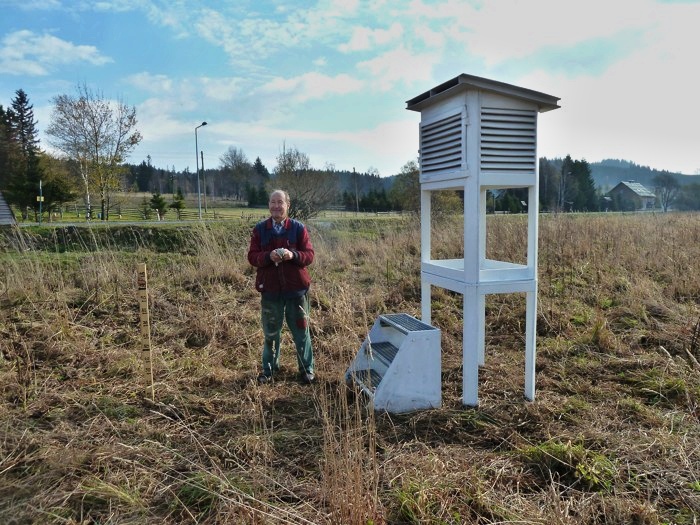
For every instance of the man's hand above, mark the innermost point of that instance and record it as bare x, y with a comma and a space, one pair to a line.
280, 255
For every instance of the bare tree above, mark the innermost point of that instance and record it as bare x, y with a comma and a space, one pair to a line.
310, 190
667, 189
98, 134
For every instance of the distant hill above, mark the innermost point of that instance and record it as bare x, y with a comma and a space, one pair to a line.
606, 174
609, 172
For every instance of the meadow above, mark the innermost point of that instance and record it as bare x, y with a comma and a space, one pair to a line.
87, 438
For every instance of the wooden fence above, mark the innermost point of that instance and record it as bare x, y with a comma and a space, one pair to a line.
134, 214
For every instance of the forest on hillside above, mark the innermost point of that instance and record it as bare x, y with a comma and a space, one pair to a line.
609, 172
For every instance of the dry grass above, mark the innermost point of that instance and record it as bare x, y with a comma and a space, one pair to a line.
610, 439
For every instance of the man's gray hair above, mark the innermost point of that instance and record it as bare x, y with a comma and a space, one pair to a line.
284, 193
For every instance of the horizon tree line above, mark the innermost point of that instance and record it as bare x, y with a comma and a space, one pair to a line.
95, 137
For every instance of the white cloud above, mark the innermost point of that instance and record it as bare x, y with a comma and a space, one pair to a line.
386, 36
221, 89
336, 8
35, 4
643, 107
359, 41
311, 86
27, 53
174, 15
119, 6
447, 10
399, 65
433, 39
386, 144
250, 37
157, 120
216, 89
150, 82
365, 38
510, 28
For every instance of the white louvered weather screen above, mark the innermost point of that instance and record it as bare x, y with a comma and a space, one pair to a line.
441, 145
508, 140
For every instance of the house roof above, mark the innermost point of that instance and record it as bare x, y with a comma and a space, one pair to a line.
464, 82
637, 188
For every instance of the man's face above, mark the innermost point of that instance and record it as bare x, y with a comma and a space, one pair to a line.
278, 207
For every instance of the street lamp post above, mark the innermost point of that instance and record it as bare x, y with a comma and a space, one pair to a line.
196, 157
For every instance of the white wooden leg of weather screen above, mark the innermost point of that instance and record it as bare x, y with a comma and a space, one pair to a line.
530, 337
474, 343
471, 347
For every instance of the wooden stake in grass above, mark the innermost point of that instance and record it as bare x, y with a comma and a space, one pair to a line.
142, 282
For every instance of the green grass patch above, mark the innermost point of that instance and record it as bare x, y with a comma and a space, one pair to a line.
199, 492
656, 385
572, 463
116, 410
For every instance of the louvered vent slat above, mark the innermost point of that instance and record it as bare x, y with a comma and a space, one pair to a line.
443, 158
446, 164
509, 118
437, 142
503, 130
441, 145
508, 140
496, 147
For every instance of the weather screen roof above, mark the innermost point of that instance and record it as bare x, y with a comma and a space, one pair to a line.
465, 82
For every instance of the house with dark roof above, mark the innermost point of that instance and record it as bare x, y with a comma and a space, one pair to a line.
632, 196
6, 215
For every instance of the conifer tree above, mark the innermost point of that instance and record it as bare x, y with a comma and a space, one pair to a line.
25, 169
9, 149
29, 172
178, 203
159, 205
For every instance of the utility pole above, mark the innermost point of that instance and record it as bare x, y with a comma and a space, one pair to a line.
41, 200
357, 198
204, 181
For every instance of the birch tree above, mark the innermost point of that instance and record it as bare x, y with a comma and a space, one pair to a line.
98, 134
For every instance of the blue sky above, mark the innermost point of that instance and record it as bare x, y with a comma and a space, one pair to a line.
331, 77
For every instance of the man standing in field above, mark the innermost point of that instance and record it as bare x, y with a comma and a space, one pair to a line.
280, 249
